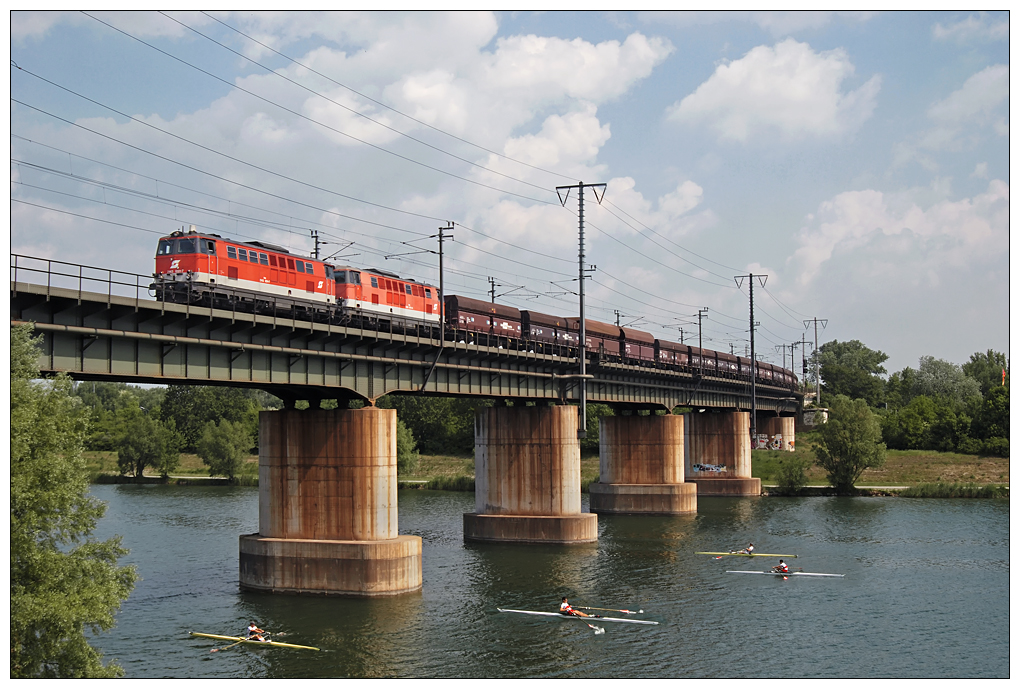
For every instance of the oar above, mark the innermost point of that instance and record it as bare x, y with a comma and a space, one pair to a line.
628, 612
214, 650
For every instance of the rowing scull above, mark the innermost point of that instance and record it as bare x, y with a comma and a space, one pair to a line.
784, 574
749, 554
241, 639
575, 617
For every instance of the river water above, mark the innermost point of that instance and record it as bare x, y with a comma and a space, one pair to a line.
926, 594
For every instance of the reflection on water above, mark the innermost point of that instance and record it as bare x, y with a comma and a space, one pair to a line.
909, 606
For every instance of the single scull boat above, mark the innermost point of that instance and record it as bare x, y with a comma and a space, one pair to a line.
749, 554
241, 639
575, 617
784, 574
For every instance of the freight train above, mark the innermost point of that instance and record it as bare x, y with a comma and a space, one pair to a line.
257, 277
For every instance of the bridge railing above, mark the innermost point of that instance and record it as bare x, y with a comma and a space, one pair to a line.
82, 278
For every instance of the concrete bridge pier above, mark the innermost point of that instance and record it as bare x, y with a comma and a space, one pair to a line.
328, 507
717, 453
528, 478
641, 467
780, 431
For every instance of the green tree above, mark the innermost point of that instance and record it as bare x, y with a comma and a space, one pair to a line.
987, 369
851, 369
62, 581
940, 378
192, 407
222, 447
850, 443
149, 442
407, 450
992, 418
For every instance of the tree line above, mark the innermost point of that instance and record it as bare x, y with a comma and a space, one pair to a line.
937, 406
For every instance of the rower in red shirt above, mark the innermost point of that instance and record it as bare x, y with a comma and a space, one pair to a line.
565, 609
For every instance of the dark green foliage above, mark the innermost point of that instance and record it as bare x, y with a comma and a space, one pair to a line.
149, 442
192, 407
954, 490
987, 369
851, 369
440, 425
62, 581
791, 475
850, 442
407, 451
458, 483
991, 419
222, 446
590, 443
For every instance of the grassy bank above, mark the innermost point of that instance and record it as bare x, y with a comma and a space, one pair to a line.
930, 474
102, 467
902, 467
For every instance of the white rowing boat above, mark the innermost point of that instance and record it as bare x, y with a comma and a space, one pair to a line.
784, 574
575, 617
743, 554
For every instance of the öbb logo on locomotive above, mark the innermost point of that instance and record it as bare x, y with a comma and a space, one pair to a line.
257, 277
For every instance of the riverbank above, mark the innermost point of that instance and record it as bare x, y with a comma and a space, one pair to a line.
903, 469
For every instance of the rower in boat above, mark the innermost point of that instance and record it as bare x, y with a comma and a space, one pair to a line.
781, 568
565, 609
254, 633
746, 551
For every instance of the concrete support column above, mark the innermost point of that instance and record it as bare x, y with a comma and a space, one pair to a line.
328, 507
641, 467
528, 478
717, 453
780, 431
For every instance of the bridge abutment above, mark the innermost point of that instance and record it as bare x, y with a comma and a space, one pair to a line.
717, 453
328, 507
641, 467
528, 478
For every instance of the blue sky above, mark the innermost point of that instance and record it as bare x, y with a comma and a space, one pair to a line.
860, 160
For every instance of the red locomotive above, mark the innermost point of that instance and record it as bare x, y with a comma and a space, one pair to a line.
201, 268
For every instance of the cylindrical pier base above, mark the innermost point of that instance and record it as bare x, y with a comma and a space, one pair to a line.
643, 498
641, 467
715, 487
328, 507
528, 478
531, 528
346, 568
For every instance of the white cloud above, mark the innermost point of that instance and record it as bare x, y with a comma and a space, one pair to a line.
961, 118
976, 100
25, 25
776, 23
788, 88
980, 171
974, 28
947, 234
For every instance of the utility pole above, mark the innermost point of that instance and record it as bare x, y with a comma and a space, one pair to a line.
492, 288
701, 354
564, 193
754, 362
803, 358
315, 236
818, 380
442, 301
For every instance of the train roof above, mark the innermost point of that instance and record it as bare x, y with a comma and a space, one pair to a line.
480, 306
674, 346
543, 319
594, 327
638, 336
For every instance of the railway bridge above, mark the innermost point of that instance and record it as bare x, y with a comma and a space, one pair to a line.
328, 502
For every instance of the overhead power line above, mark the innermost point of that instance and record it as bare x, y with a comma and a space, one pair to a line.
306, 117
